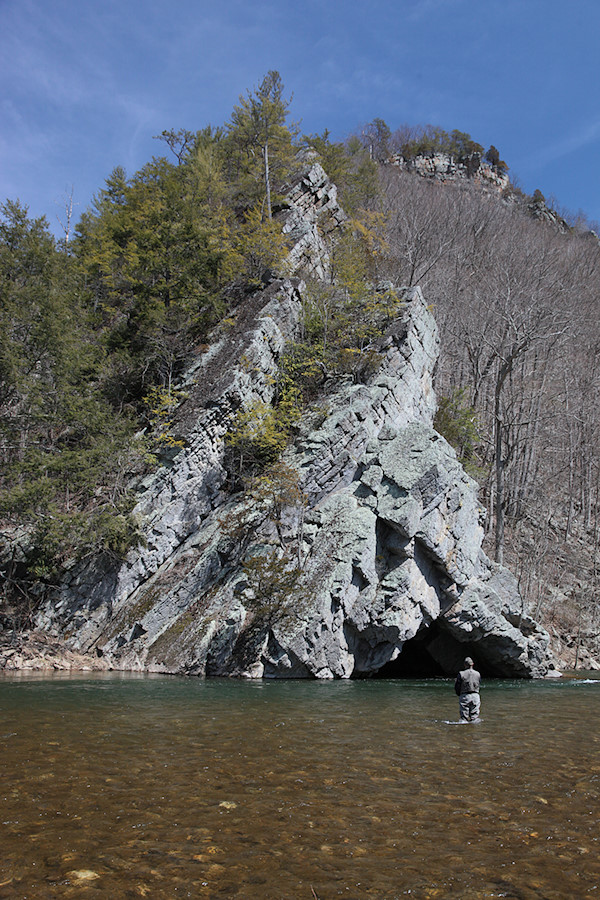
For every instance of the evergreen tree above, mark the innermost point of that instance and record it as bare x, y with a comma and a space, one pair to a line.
153, 265
63, 447
377, 136
334, 158
258, 125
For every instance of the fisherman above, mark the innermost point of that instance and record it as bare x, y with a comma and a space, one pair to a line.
467, 688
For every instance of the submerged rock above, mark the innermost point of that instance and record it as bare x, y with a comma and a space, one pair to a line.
375, 567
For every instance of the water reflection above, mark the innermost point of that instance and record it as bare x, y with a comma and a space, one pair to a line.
154, 787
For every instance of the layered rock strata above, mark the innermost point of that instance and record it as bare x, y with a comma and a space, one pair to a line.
310, 213
372, 564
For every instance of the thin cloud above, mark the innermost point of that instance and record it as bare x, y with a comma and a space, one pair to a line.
48, 61
582, 137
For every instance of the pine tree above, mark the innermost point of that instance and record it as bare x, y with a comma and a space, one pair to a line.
64, 449
258, 124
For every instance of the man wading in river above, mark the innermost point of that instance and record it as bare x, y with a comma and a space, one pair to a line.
467, 688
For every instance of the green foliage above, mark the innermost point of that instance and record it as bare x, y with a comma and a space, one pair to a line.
258, 436
152, 266
456, 420
350, 266
160, 404
428, 139
64, 535
538, 197
64, 450
350, 166
260, 245
362, 189
333, 156
206, 177
303, 366
92, 340
342, 322
376, 138
260, 144
493, 157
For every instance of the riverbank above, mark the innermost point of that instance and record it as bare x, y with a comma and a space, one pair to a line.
39, 652
571, 653
36, 651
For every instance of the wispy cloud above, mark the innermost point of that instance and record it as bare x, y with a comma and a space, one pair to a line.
51, 60
579, 138
87, 84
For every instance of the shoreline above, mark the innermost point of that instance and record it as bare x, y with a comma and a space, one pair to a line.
35, 651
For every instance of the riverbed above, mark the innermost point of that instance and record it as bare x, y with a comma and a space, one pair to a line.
125, 786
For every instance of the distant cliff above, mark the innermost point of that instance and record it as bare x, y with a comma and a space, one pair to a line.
444, 168
364, 558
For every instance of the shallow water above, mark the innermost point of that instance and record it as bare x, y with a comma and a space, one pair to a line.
119, 787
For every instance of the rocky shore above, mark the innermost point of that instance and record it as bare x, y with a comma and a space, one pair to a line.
35, 651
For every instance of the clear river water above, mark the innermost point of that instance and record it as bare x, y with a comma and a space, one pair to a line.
139, 786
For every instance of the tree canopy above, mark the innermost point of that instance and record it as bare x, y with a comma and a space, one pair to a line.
258, 133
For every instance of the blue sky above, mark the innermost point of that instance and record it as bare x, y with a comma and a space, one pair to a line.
86, 84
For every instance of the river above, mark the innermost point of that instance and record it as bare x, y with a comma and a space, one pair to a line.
146, 786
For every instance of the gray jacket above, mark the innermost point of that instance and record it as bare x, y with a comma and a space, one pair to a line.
467, 682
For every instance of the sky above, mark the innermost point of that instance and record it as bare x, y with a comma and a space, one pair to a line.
86, 85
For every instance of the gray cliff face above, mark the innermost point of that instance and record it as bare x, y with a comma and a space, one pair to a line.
378, 560
445, 168
311, 212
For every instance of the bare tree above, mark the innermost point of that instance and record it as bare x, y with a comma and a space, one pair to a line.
66, 219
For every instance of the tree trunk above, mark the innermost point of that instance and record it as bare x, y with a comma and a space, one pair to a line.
499, 484
267, 178
503, 372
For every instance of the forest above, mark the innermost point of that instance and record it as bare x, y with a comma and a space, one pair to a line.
97, 327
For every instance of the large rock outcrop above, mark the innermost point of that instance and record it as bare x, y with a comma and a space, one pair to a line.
444, 168
372, 564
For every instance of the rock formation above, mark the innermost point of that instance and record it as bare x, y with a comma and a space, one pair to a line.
445, 168
372, 565
538, 209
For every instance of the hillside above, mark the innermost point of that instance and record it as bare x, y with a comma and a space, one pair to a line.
515, 294
352, 547
119, 340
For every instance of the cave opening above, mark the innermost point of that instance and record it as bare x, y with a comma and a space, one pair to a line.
431, 653
413, 661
